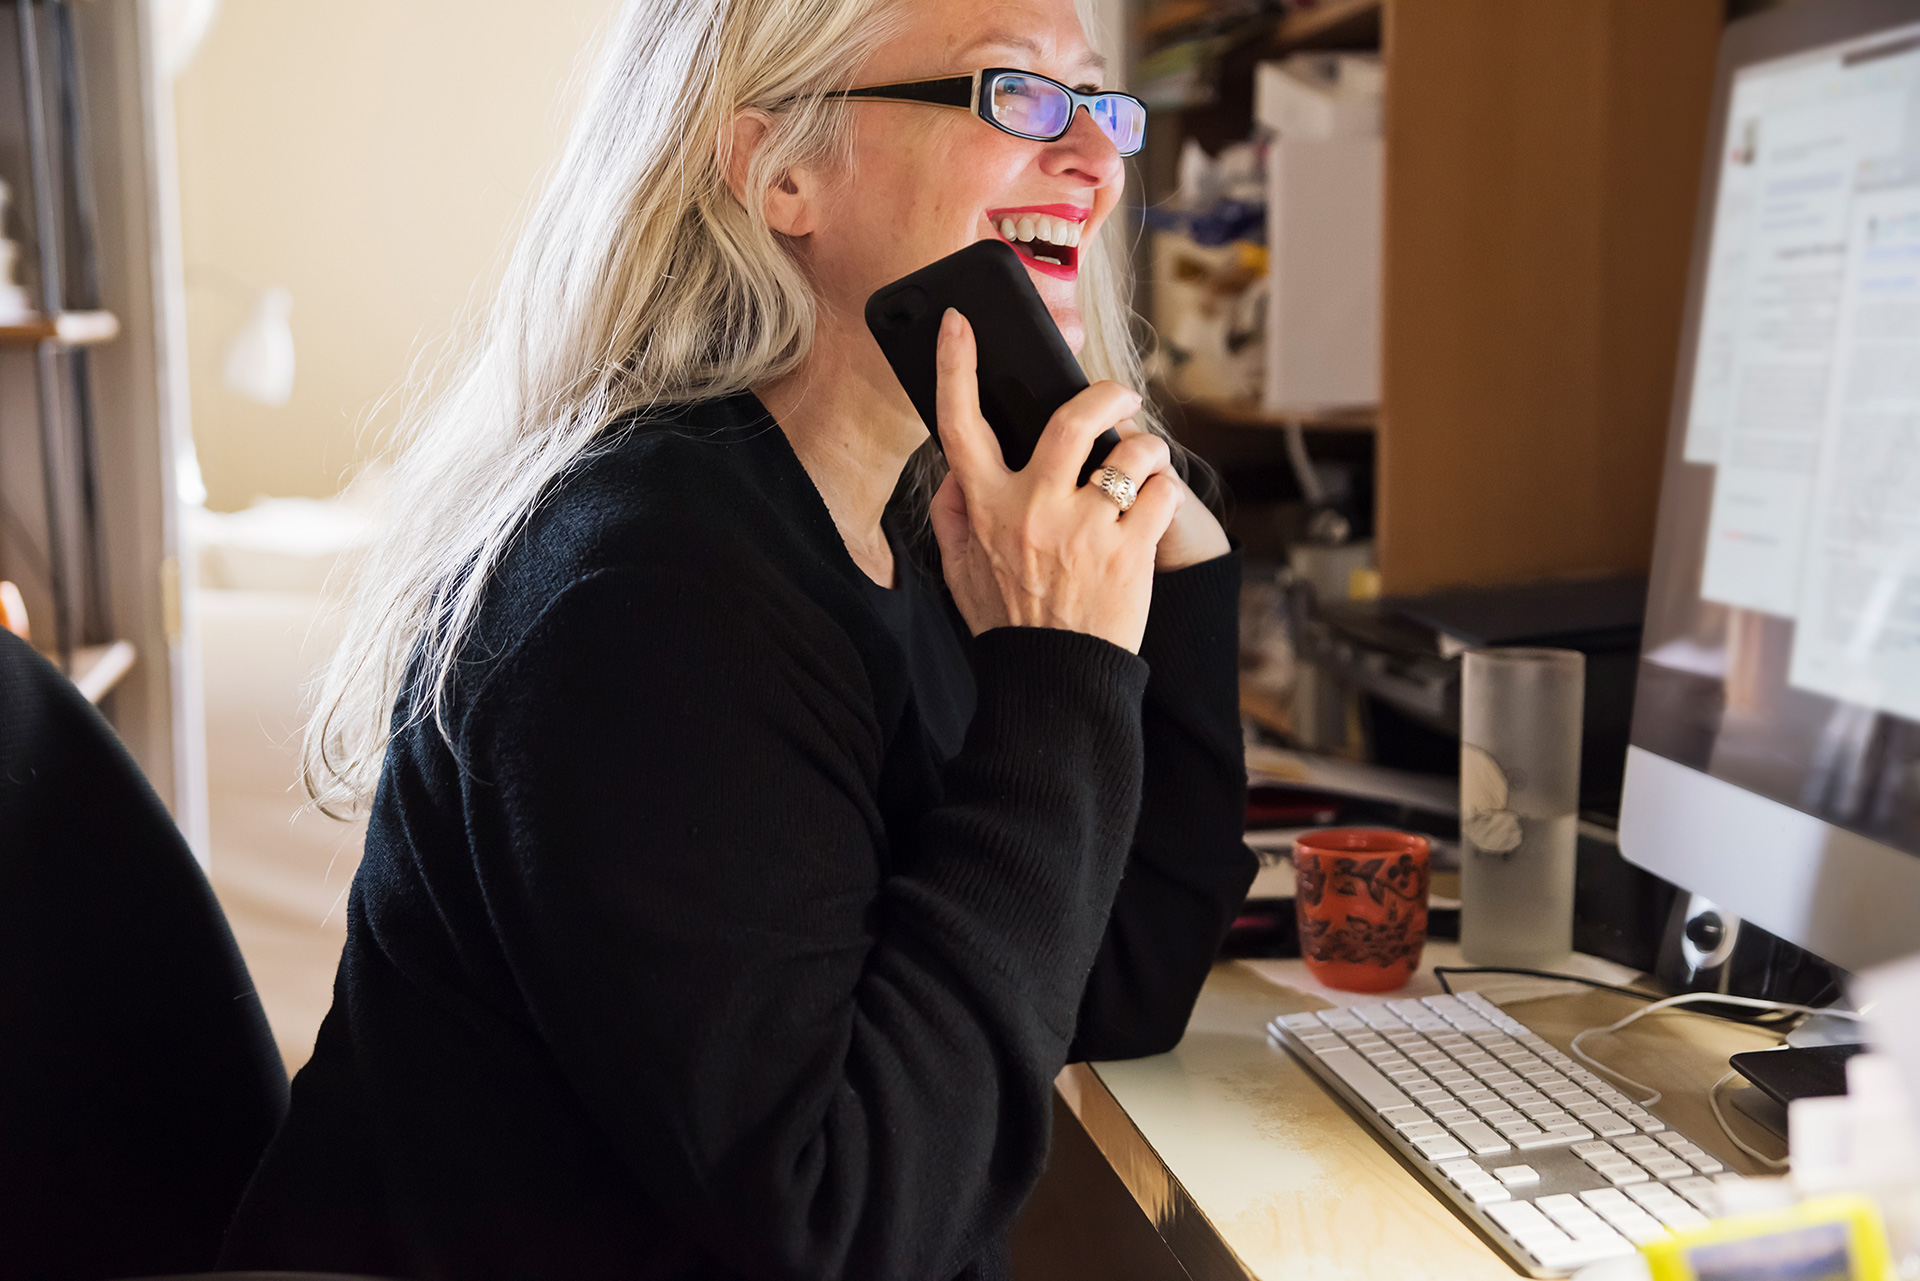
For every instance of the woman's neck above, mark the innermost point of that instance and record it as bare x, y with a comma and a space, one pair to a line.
853, 429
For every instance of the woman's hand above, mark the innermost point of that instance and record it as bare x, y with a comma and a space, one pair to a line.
1033, 548
1195, 534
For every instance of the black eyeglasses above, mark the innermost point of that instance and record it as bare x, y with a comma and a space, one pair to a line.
1023, 104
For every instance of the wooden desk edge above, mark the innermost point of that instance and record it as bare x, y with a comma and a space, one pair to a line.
1195, 1242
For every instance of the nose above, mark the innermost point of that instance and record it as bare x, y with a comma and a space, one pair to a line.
1086, 153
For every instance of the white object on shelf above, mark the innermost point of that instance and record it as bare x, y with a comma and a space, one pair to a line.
1324, 231
1317, 97
15, 305
98, 668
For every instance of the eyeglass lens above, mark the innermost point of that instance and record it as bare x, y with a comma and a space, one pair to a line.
1038, 108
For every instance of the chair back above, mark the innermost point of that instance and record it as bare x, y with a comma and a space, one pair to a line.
139, 1083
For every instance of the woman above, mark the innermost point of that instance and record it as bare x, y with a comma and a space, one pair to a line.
733, 892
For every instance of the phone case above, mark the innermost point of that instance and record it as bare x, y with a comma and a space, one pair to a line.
1026, 369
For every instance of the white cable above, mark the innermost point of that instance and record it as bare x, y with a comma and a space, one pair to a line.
1685, 998
1713, 1101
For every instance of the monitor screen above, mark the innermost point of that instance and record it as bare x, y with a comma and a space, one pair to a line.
1782, 650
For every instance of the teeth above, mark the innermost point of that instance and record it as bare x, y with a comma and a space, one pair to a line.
1041, 227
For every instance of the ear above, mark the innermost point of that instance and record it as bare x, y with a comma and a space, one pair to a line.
789, 202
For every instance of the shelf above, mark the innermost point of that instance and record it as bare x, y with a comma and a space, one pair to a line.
1333, 24
98, 668
1240, 414
69, 328
1233, 413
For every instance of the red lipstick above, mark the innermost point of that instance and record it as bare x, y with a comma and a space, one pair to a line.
1068, 265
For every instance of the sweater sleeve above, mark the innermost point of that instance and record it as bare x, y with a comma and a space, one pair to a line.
1189, 869
831, 1058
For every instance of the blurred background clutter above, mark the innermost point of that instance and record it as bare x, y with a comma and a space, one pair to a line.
234, 233
1412, 273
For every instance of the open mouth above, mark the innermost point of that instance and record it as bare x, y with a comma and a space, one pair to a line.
1047, 240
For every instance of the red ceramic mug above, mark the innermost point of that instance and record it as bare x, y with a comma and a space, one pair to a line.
1361, 899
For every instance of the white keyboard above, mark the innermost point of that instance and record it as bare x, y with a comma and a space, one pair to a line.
1547, 1158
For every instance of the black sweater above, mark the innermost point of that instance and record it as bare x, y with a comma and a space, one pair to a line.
694, 956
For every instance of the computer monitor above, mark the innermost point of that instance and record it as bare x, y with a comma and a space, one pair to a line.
1774, 764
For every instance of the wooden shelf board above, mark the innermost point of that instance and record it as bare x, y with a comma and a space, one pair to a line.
1332, 24
70, 328
1242, 414
98, 668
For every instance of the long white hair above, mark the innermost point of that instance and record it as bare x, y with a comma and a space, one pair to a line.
639, 280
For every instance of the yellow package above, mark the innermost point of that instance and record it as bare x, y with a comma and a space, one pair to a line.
1836, 1238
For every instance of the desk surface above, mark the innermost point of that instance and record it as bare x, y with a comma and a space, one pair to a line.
1250, 1168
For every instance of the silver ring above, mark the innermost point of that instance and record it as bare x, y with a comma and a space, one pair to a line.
1117, 485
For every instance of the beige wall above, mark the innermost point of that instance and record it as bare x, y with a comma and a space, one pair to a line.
373, 156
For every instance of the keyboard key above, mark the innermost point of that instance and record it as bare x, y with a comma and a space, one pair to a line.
1430, 1096
1472, 1097
1645, 1120
1486, 1194
1446, 1116
1560, 1207
1480, 1138
1376, 1016
1606, 1201
1705, 1164
1667, 1167
1554, 1138
1519, 1217
1639, 1227
1517, 1176
1578, 1254
1443, 1148
1675, 1140
1461, 1170
1607, 1125
1422, 1130
1322, 1041
1360, 1077
1681, 1218
1621, 1176
1637, 1144
1591, 1148
1518, 1128
1651, 1194
1495, 1116
1698, 1192
1397, 1117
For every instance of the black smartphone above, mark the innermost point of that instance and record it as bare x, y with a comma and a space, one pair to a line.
1027, 371
1811, 1071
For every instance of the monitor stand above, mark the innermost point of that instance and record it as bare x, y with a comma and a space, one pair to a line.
1708, 949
